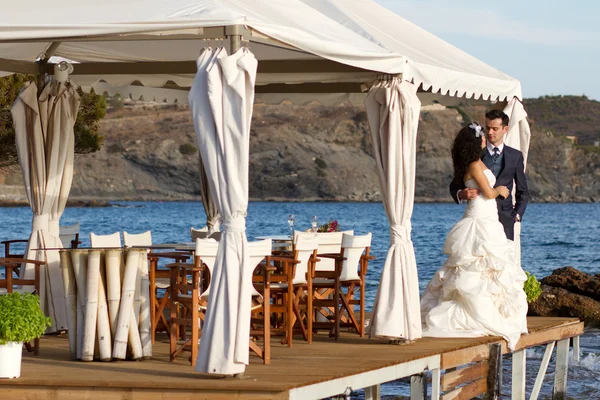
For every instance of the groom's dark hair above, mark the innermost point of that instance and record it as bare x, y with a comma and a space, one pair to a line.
493, 114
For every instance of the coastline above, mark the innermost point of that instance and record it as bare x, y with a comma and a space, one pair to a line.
108, 201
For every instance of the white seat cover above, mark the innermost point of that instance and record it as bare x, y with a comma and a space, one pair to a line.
207, 249
112, 240
258, 251
201, 233
353, 248
67, 234
329, 243
137, 239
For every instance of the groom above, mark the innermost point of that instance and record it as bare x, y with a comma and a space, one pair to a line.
507, 165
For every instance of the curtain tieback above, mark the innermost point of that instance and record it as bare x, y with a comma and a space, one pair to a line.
399, 234
40, 222
234, 224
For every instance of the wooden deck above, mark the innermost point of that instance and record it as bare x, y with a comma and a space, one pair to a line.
304, 371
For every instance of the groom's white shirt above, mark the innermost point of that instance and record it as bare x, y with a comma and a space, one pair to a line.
490, 148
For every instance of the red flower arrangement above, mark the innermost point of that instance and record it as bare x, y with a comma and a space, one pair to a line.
331, 226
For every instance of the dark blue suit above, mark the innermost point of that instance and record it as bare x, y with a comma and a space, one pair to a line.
513, 169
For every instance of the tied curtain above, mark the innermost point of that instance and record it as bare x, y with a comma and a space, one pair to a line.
45, 147
221, 100
393, 108
518, 137
210, 208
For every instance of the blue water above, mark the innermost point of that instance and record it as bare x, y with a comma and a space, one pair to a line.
553, 236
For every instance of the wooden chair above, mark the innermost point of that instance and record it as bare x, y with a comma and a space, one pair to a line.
189, 297
7, 251
159, 278
348, 278
69, 236
289, 286
11, 283
329, 243
190, 288
259, 253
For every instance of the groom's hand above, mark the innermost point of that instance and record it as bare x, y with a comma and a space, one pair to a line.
468, 194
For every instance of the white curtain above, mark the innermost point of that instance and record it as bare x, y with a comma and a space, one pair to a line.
393, 113
45, 145
518, 137
221, 100
212, 214
59, 105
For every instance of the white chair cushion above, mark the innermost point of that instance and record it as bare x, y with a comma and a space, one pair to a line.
112, 240
137, 239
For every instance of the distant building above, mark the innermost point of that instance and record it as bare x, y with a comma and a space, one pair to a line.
573, 139
597, 143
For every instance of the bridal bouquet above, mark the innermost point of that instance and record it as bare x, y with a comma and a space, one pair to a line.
331, 226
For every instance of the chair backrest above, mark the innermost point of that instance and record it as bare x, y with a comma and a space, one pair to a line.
259, 250
68, 233
137, 239
353, 248
215, 235
206, 250
329, 243
303, 249
201, 233
112, 240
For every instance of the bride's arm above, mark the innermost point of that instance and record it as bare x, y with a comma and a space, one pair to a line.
476, 171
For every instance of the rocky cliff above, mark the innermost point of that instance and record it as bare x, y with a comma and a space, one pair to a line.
568, 292
301, 153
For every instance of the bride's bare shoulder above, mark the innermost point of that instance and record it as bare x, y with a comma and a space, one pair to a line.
474, 169
476, 166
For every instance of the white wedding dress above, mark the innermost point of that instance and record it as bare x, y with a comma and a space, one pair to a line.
479, 289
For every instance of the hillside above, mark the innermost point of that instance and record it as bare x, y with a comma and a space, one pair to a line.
566, 115
304, 153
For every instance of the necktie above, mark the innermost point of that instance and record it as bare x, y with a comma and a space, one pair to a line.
496, 153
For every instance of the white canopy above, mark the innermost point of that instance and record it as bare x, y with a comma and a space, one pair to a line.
304, 48
345, 43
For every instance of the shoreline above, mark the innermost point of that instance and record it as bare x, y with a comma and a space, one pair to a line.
108, 202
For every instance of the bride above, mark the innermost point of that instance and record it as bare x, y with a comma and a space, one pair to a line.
479, 289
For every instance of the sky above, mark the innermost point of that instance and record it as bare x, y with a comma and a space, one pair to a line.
552, 47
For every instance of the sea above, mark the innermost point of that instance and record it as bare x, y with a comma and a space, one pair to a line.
553, 236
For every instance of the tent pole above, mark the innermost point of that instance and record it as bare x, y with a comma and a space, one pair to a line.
234, 33
41, 76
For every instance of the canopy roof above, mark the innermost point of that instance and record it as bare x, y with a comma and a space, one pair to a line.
313, 46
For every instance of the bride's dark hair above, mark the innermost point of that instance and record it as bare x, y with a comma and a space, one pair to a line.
465, 150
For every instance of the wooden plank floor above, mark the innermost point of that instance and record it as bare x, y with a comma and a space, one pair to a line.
53, 375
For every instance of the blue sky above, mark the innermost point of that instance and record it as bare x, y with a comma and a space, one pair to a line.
552, 47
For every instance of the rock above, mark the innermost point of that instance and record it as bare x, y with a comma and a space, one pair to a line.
558, 302
88, 203
574, 281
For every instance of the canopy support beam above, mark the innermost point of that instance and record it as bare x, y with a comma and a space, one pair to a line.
207, 33
20, 67
346, 87
189, 67
51, 50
